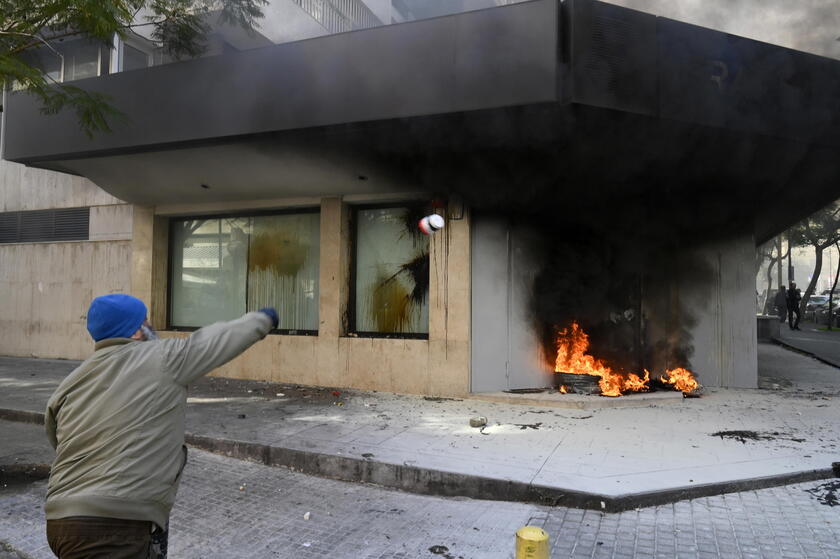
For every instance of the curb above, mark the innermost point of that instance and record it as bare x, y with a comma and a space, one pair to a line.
448, 484
426, 481
786, 345
22, 416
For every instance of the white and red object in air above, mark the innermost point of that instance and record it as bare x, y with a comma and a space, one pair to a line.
431, 224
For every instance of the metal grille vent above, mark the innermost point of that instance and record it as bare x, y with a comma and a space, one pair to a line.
609, 54
337, 16
614, 57
42, 226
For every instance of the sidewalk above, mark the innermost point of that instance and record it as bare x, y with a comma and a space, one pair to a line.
822, 344
611, 459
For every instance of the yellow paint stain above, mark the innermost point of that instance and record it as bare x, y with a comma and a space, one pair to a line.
278, 252
390, 307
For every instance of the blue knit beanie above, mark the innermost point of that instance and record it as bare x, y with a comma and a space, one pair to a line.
115, 316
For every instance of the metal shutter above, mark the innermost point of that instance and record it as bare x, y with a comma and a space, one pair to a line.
72, 224
36, 226
9, 227
43, 226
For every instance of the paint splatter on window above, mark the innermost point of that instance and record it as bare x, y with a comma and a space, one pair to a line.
392, 272
223, 267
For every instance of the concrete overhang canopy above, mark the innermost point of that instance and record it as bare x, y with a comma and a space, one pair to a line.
541, 98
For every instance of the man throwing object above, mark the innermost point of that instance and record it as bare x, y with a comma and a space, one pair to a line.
117, 425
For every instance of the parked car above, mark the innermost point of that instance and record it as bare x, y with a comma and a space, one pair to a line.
822, 314
815, 303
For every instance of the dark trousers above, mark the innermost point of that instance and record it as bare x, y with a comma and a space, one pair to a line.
791, 313
90, 537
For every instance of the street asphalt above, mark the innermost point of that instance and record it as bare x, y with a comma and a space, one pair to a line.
228, 508
815, 340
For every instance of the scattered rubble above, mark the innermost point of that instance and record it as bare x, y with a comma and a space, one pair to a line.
523, 426
441, 550
826, 493
478, 421
743, 436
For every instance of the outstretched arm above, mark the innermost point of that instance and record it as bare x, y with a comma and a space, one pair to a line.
188, 359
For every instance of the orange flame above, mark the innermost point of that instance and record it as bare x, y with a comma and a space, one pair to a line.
572, 345
681, 379
563, 389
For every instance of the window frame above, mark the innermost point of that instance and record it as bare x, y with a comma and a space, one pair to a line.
354, 246
170, 327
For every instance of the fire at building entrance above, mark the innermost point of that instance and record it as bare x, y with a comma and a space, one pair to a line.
574, 360
581, 313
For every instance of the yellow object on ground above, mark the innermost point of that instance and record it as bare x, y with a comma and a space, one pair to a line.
531, 543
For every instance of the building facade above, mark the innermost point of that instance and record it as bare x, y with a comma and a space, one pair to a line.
592, 164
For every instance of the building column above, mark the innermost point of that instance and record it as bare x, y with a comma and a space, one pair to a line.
703, 304
149, 257
334, 261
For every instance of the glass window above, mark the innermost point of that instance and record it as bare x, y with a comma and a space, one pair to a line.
391, 272
133, 58
81, 60
223, 267
45, 59
283, 261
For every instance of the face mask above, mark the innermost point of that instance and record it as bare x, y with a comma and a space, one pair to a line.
148, 333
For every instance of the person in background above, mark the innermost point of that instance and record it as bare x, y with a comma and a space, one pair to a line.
794, 296
117, 425
780, 302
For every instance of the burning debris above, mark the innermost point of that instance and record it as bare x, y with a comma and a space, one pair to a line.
681, 379
576, 368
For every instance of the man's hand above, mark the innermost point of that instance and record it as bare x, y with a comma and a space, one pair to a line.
272, 314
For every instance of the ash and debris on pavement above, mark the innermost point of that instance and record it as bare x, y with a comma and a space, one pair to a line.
443, 551
523, 426
743, 436
239, 388
826, 493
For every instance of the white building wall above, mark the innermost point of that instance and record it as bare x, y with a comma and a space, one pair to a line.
45, 288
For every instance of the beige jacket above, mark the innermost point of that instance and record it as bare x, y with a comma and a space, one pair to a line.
117, 421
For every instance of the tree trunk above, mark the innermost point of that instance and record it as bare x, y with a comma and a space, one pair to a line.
779, 262
769, 296
833, 287
812, 285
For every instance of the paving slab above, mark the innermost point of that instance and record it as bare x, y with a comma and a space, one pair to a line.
611, 458
240, 510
